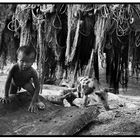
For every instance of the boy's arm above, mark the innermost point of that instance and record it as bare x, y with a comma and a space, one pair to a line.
37, 86
8, 82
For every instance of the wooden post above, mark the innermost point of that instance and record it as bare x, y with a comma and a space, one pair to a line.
41, 63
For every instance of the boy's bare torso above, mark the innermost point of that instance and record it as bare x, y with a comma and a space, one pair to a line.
21, 77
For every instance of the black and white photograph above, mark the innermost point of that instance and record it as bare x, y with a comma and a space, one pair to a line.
69, 69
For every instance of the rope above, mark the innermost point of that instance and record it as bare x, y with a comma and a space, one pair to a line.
45, 8
56, 16
64, 11
17, 22
13, 25
137, 42
40, 17
106, 12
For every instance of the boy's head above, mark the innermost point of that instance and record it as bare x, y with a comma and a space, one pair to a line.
26, 56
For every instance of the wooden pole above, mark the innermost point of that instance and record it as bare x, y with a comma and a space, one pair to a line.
41, 62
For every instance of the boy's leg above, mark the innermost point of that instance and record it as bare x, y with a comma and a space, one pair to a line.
29, 87
13, 89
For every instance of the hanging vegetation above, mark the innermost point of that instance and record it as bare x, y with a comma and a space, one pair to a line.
8, 40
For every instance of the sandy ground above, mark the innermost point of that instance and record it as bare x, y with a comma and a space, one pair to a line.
123, 118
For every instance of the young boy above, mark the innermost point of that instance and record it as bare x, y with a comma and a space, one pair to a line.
22, 75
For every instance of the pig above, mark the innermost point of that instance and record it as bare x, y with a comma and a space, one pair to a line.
86, 94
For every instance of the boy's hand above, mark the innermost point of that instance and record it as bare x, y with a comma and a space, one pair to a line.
33, 108
5, 100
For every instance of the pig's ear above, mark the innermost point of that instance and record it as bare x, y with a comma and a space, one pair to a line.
106, 90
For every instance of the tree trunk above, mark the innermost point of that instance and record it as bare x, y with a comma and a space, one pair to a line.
54, 120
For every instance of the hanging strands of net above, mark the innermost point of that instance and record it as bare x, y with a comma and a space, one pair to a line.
102, 25
23, 14
41, 24
122, 15
75, 41
88, 71
74, 13
99, 30
20, 18
69, 14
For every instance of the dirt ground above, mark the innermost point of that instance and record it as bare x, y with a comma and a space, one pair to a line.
123, 118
